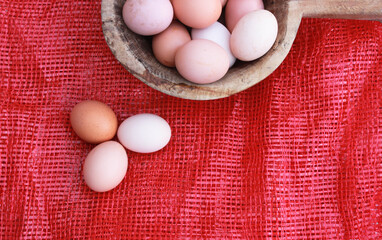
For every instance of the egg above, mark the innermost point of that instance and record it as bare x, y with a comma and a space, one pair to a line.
197, 13
217, 33
254, 35
105, 166
147, 17
144, 133
93, 121
166, 43
236, 9
202, 61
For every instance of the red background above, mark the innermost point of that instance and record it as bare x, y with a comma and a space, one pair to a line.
298, 156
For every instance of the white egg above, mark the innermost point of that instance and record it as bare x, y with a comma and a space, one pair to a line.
144, 133
217, 33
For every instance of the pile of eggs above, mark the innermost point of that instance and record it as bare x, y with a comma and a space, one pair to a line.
106, 164
203, 38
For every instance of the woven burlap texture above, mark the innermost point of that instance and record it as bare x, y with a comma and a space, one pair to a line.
298, 156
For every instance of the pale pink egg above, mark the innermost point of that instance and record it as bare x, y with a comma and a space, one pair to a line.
105, 166
236, 9
147, 17
202, 61
254, 35
217, 33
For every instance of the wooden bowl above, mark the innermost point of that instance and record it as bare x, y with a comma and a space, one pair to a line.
135, 54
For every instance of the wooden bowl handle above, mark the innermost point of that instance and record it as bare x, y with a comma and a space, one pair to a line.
342, 9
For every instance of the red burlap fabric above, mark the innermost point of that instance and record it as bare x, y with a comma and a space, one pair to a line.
298, 156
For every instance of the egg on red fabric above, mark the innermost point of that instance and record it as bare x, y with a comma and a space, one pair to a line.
105, 166
93, 121
144, 133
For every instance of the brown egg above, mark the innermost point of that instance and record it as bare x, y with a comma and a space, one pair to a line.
166, 43
93, 121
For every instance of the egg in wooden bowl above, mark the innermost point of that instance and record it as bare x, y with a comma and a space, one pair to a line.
135, 53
